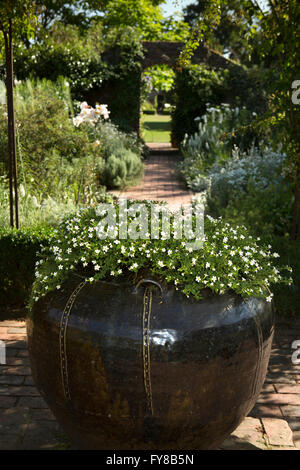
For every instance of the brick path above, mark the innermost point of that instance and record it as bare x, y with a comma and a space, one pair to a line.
274, 423
26, 423
160, 181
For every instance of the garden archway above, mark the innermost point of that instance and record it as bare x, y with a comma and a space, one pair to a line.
125, 104
167, 53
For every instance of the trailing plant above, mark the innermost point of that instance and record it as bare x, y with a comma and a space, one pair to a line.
229, 260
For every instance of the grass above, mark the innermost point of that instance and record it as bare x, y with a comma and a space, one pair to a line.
156, 127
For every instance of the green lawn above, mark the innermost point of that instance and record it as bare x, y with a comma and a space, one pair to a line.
156, 127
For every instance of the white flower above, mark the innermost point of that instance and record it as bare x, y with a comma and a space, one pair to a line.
77, 120
97, 267
207, 265
160, 264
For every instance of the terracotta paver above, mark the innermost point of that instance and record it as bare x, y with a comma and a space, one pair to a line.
273, 423
27, 423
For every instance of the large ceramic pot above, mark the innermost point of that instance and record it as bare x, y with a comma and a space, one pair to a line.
145, 367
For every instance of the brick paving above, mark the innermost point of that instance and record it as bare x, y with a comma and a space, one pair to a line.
26, 423
160, 180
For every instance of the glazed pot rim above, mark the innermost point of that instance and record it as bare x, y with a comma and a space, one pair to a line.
125, 281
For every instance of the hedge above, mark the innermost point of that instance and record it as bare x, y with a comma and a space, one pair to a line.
196, 86
18, 254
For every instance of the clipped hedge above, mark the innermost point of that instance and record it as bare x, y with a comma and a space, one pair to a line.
18, 250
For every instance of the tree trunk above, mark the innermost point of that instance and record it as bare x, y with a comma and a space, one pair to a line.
296, 210
10, 160
13, 172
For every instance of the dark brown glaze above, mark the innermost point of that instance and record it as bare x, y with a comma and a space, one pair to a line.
171, 375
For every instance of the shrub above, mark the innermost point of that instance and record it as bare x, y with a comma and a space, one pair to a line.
121, 151
60, 160
34, 209
229, 260
287, 298
18, 250
198, 86
250, 189
122, 168
51, 151
98, 67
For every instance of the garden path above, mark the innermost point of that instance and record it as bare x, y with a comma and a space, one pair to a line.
273, 424
160, 180
26, 423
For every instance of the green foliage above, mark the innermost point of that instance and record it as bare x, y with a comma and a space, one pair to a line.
51, 150
73, 12
18, 250
61, 163
194, 87
20, 15
161, 77
215, 140
231, 34
34, 208
90, 245
121, 164
122, 168
287, 299
64, 51
138, 14
197, 87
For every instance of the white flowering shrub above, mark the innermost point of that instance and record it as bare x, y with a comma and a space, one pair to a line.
91, 115
230, 259
122, 164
